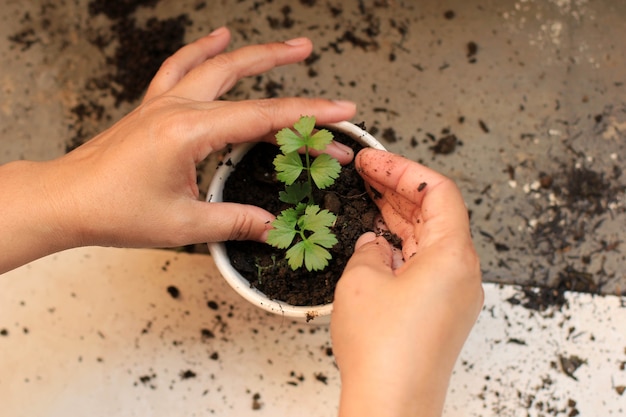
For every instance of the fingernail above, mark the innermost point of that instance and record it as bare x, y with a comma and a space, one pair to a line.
364, 239
345, 103
219, 31
297, 41
342, 147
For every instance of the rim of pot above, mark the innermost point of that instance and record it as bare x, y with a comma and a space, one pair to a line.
319, 314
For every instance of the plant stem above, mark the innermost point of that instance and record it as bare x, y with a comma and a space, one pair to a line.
308, 173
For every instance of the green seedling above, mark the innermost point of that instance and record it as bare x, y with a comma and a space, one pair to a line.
260, 269
304, 229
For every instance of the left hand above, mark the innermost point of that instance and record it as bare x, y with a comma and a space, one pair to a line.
134, 185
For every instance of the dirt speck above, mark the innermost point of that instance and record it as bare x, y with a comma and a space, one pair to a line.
187, 374
173, 291
569, 364
207, 334
445, 145
472, 50
256, 402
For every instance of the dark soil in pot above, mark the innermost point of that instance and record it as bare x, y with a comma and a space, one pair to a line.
253, 181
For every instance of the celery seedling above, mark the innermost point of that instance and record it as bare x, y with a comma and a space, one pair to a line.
306, 223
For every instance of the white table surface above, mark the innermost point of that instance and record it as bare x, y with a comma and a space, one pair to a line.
94, 332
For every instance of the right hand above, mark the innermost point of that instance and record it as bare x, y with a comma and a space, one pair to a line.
397, 331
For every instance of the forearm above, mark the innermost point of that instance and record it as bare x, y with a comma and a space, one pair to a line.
33, 217
369, 397
403, 377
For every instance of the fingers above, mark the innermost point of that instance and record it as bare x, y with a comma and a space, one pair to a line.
218, 222
184, 60
415, 192
342, 153
246, 121
391, 171
219, 74
372, 253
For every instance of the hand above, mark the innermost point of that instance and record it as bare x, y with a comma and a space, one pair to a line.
397, 332
134, 185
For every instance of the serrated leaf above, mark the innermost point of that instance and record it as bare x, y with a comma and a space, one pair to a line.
315, 257
284, 229
295, 192
300, 209
324, 170
291, 215
295, 255
289, 141
280, 238
323, 238
320, 140
315, 219
304, 126
288, 167
311, 223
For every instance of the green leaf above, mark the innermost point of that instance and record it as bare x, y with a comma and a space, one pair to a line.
295, 192
280, 238
324, 170
309, 222
324, 238
304, 126
300, 209
320, 140
315, 219
289, 141
288, 167
315, 257
310, 251
291, 215
295, 255
284, 229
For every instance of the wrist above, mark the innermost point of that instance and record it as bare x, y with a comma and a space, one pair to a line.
36, 218
393, 391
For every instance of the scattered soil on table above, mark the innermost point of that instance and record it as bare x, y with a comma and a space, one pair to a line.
118, 9
173, 291
157, 41
187, 374
138, 52
566, 227
253, 182
539, 298
257, 404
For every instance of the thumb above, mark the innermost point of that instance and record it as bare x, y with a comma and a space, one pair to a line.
371, 252
218, 222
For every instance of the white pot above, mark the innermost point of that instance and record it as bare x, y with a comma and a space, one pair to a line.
319, 314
